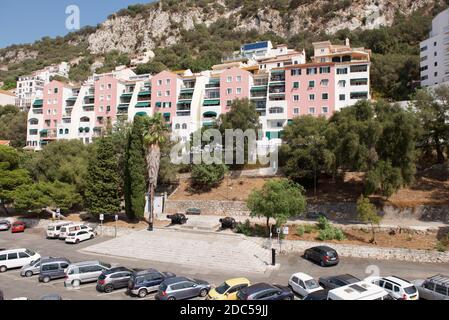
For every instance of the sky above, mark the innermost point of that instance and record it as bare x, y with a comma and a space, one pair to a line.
24, 21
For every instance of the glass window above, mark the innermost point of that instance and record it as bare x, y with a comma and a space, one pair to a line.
2, 257
325, 96
23, 255
311, 84
12, 256
388, 286
441, 289
296, 85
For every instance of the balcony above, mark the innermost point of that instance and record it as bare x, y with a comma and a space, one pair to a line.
38, 103
211, 103
144, 96
186, 95
213, 84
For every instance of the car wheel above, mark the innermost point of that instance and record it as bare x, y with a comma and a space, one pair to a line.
29, 274
92, 236
143, 293
76, 283
46, 280
288, 299
203, 293
3, 269
108, 289
77, 241
171, 298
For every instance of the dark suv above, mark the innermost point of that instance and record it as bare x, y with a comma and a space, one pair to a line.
265, 291
113, 279
323, 255
53, 268
143, 282
333, 282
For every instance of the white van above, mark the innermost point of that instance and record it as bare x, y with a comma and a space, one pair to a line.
16, 258
54, 229
64, 231
362, 290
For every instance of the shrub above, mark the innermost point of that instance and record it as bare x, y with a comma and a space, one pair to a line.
440, 247
328, 232
244, 228
300, 231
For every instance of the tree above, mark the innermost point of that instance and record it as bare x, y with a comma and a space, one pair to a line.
367, 213
152, 67
12, 176
103, 181
155, 135
135, 171
37, 196
383, 179
13, 125
277, 199
305, 155
432, 109
204, 177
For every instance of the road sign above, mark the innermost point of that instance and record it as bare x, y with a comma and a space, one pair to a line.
116, 217
278, 231
286, 231
101, 217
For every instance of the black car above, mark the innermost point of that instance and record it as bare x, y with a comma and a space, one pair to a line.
333, 282
143, 282
323, 255
265, 291
178, 218
113, 279
317, 295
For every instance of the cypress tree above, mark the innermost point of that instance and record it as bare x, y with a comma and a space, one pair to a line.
135, 171
103, 181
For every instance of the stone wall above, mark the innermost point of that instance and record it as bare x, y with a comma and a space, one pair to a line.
424, 213
208, 207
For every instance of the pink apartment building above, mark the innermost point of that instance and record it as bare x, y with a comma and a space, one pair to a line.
235, 83
164, 92
105, 100
52, 110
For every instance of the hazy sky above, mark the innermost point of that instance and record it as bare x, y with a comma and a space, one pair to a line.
24, 21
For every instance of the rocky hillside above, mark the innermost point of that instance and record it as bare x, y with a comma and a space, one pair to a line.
160, 24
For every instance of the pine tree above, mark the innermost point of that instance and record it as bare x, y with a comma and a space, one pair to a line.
135, 171
103, 181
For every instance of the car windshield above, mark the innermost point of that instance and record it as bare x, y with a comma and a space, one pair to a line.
51, 228
410, 290
332, 254
71, 234
29, 252
222, 288
106, 265
35, 262
312, 284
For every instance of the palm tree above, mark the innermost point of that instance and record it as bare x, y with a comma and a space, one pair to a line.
155, 135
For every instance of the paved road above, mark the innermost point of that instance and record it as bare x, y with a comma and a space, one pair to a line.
14, 286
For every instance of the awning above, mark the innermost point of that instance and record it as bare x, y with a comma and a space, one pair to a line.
211, 103
259, 89
144, 93
126, 95
167, 115
89, 97
123, 106
209, 114
38, 103
277, 84
45, 131
277, 71
72, 99
187, 89
142, 105
141, 114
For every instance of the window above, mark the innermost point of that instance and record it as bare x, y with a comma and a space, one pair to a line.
229, 79
184, 126
23, 255
108, 108
239, 90
296, 97
311, 84
66, 131
312, 110
101, 98
295, 72
359, 82
359, 95
108, 98
296, 111
325, 96
435, 64
61, 131
359, 68
12, 256
50, 267
438, 289
159, 82
435, 44
324, 82
177, 126
312, 70
56, 90
423, 58
342, 97
102, 87
228, 103
276, 110
325, 70
239, 79
167, 93
229, 91
295, 85
424, 48
109, 86
167, 82
311, 97
435, 54
435, 74
159, 93
342, 71
325, 110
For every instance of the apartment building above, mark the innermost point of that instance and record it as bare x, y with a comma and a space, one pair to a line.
281, 87
435, 52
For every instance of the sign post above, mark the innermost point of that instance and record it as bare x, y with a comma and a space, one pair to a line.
116, 219
101, 223
58, 213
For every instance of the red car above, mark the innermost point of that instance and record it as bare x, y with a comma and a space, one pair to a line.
18, 227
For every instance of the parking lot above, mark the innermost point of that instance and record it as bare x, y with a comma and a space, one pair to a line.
15, 286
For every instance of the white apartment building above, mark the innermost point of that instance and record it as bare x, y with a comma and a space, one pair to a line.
435, 52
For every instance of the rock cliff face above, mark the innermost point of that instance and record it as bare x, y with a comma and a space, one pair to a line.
159, 26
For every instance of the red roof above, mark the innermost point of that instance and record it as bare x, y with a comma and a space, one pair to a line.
4, 142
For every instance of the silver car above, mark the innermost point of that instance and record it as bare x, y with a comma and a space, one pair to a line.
84, 272
5, 225
181, 288
433, 288
33, 268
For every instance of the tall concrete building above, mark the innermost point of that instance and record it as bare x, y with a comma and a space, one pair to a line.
435, 53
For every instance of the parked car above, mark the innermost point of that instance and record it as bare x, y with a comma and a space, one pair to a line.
361, 290
34, 267
323, 255
113, 279
53, 268
178, 218
317, 295
398, 288
16, 258
51, 297
303, 284
5, 225
65, 230
228, 289
433, 288
79, 236
333, 282
18, 227
181, 288
54, 229
142, 283
228, 223
84, 272
265, 291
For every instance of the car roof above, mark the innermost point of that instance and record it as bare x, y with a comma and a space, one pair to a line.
85, 263
237, 281
145, 272
13, 250
359, 290
398, 281
49, 260
258, 287
116, 269
302, 276
319, 293
324, 248
174, 280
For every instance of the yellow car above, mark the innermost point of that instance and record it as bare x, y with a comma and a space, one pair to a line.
228, 290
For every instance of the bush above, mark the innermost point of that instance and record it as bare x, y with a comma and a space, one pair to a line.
205, 177
328, 232
300, 231
441, 247
309, 228
244, 228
